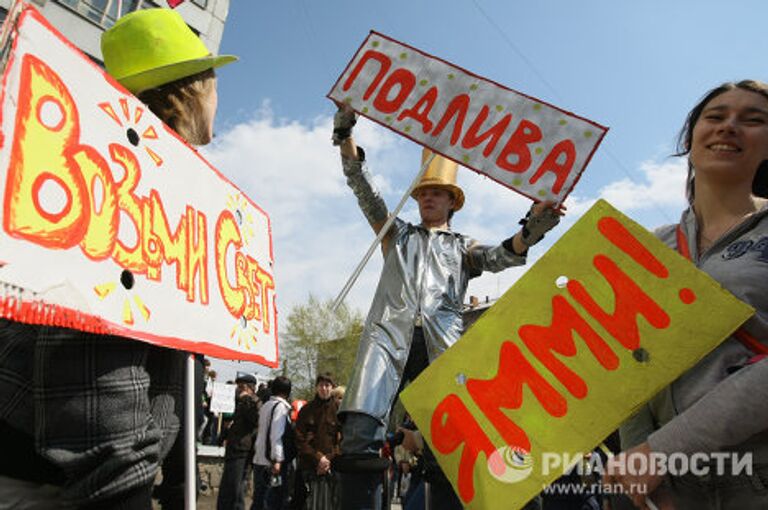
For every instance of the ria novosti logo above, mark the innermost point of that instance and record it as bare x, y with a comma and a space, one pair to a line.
510, 464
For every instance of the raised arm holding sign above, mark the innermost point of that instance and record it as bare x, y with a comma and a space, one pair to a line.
525, 144
416, 313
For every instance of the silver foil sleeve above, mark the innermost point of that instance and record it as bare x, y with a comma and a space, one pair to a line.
369, 199
493, 259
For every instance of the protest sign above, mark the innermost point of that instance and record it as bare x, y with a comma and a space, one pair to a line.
112, 224
223, 398
603, 321
526, 144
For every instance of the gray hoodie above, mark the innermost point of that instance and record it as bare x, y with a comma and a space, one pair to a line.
721, 404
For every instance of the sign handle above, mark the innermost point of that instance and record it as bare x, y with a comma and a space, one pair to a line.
383, 232
190, 471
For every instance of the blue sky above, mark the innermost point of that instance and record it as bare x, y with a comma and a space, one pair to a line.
636, 67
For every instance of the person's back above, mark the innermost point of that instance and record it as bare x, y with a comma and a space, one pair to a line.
103, 410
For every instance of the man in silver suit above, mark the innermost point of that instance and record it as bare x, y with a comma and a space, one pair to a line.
417, 309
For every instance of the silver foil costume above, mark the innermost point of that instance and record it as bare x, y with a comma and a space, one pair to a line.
424, 280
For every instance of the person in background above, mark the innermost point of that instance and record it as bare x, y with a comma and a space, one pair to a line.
239, 445
87, 419
338, 393
272, 451
317, 443
719, 405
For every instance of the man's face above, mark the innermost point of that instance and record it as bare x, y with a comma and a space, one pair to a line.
434, 205
323, 390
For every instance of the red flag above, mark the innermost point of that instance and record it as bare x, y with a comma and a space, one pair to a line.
174, 3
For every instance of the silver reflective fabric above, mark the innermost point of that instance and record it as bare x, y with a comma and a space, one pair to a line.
425, 275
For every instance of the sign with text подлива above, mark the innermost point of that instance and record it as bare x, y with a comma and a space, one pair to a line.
112, 224
534, 148
602, 322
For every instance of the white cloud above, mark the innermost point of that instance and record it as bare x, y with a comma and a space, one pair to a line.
664, 189
292, 171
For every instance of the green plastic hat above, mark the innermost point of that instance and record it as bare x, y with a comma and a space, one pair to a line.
151, 47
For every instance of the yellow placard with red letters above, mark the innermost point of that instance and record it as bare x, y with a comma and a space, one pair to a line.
603, 321
112, 224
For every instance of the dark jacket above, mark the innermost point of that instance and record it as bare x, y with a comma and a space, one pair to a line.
242, 432
318, 432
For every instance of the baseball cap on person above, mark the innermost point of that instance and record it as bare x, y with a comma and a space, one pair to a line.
244, 377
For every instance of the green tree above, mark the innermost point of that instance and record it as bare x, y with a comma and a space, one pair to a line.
316, 339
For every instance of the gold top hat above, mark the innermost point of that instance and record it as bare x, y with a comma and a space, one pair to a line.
441, 173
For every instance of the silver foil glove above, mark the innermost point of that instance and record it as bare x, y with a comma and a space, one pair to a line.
368, 197
536, 225
343, 122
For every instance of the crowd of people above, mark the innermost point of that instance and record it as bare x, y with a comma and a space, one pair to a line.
87, 420
289, 456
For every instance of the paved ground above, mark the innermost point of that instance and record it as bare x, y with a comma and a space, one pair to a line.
210, 463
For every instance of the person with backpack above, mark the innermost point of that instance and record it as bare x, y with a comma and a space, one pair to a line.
274, 448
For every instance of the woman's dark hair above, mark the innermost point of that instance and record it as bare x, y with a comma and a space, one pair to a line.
685, 137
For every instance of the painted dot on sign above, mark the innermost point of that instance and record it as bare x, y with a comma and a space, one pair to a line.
687, 296
538, 150
461, 379
407, 129
403, 56
499, 108
537, 107
451, 76
587, 134
473, 86
542, 193
517, 181
388, 119
365, 109
423, 82
51, 114
375, 44
465, 158
348, 100
563, 122
561, 282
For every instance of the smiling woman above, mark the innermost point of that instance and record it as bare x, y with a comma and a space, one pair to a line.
718, 406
